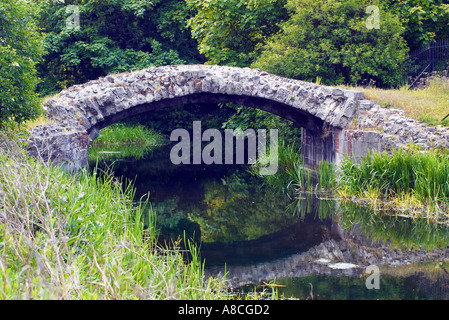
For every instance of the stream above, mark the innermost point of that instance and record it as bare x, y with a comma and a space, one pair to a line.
309, 246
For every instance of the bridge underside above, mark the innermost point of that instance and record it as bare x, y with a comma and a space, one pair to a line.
317, 146
282, 110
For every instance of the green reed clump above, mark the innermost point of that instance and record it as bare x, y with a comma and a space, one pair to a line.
425, 175
122, 134
321, 179
81, 237
300, 176
326, 175
292, 172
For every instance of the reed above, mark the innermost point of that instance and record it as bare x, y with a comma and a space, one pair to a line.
123, 134
326, 175
422, 175
82, 237
288, 155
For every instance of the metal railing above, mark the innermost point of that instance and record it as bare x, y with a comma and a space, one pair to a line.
427, 60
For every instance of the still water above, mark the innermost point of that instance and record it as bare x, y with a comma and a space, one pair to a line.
309, 246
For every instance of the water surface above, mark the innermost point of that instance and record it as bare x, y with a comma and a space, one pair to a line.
258, 236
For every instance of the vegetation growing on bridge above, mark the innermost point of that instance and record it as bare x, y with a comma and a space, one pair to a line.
429, 104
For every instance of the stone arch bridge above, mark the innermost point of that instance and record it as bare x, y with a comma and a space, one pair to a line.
78, 113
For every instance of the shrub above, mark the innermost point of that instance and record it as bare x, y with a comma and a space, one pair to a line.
20, 50
330, 40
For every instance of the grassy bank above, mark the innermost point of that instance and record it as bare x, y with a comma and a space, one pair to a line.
429, 103
119, 141
409, 181
81, 237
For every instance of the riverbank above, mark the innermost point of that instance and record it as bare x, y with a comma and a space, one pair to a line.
409, 182
427, 103
121, 141
80, 237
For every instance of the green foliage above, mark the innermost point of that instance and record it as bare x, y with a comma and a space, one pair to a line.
122, 141
247, 117
422, 174
120, 134
289, 154
167, 119
223, 218
424, 20
113, 36
230, 32
20, 50
82, 237
390, 229
330, 40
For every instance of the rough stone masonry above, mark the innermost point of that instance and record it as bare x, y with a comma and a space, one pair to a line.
335, 122
79, 112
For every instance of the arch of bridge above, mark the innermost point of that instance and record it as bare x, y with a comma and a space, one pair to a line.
78, 113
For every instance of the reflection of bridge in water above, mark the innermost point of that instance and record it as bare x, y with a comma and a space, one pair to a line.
299, 237
433, 283
318, 246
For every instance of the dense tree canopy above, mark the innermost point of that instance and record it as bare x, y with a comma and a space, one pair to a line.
330, 39
113, 36
424, 20
230, 32
20, 50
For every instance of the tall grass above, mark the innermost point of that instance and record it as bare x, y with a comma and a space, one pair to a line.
423, 175
120, 141
82, 237
292, 172
119, 133
321, 180
326, 175
288, 155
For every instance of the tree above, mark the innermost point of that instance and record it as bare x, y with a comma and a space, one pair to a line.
230, 32
113, 36
424, 20
20, 50
330, 40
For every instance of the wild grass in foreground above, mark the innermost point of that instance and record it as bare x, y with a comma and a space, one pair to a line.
403, 180
81, 237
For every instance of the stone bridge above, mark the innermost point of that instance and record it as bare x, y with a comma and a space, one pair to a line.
77, 114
